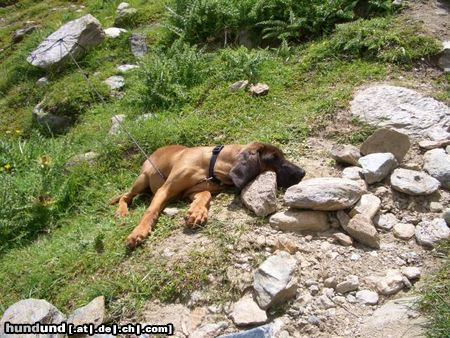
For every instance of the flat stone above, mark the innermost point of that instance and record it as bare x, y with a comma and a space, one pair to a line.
385, 221
396, 318
404, 231
437, 164
239, 85
343, 239
171, 211
259, 89
30, 311
19, 34
391, 283
247, 312
346, 154
368, 205
326, 193
362, 229
367, 297
300, 220
260, 195
377, 166
351, 283
114, 32
411, 272
126, 68
352, 173
413, 182
387, 141
429, 233
429, 145
209, 330
274, 282
115, 82
401, 109
94, 312
85, 32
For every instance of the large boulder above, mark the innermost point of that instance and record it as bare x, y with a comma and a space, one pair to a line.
300, 220
260, 195
437, 164
325, 193
274, 280
430, 232
72, 38
413, 182
402, 109
30, 311
377, 166
387, 141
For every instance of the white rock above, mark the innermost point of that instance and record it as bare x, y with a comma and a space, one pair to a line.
84, 33
413, 182
171, 211
404, 231
346, 154
94, 312
362, 229
402, 109
274, 281
436, 207
114, 32
43, 81
391, 283
259, 89
385, 221
122, 6
430, 232
351, 283
126, 68
115, 82
326, 193
428, 145
411, 272
377, 166
260, 195
352, 173
300, 220
239, 85
437, 164
116, 120
367, 297
247, 312
368, 205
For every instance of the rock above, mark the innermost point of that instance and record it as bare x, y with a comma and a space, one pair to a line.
325, 302
138, 45
444, 57
437, 164
325, 193
122, 6
351, 283
260, 195
239, 85
385, 221
368, 205
30, 311
391, 283
352, 173
387, 141
411, 272
116, 120
19, 34
436, 207
402, 109
413, 182
362, 229
247, 312
78, 35
48, 121
115, 82
264, 331
396, 318
274, 281
126, 17
126, 68
94, 312
259, 89
447, 149
404, 231
428, 145
330, 282
343, 218
446, 216
171, 211
430, 232
114, 32
367, 297
343, 239
300, 220
346, 154
88, 158
209, 330
377, 166
42, 82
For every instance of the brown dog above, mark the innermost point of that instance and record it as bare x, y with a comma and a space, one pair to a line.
178, 171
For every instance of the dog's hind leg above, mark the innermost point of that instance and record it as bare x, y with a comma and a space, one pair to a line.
140, 185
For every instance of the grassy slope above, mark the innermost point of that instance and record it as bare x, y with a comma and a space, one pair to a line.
65, 245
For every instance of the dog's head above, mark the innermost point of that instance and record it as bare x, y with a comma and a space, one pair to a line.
259, 157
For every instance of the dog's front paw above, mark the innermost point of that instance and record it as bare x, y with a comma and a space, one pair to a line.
196, 216
133, 240
121, 212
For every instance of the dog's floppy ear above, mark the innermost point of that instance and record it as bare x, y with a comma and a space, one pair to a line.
246, 168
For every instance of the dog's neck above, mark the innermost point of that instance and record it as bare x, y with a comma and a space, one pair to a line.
226, 161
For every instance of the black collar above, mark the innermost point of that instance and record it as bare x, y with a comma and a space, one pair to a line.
215, 153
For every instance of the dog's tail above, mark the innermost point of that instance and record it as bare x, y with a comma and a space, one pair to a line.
115, 200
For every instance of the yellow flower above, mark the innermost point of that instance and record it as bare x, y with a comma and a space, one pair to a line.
7, 166
18, 131
45, 161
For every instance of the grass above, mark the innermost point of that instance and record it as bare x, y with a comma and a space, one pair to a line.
59, 238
